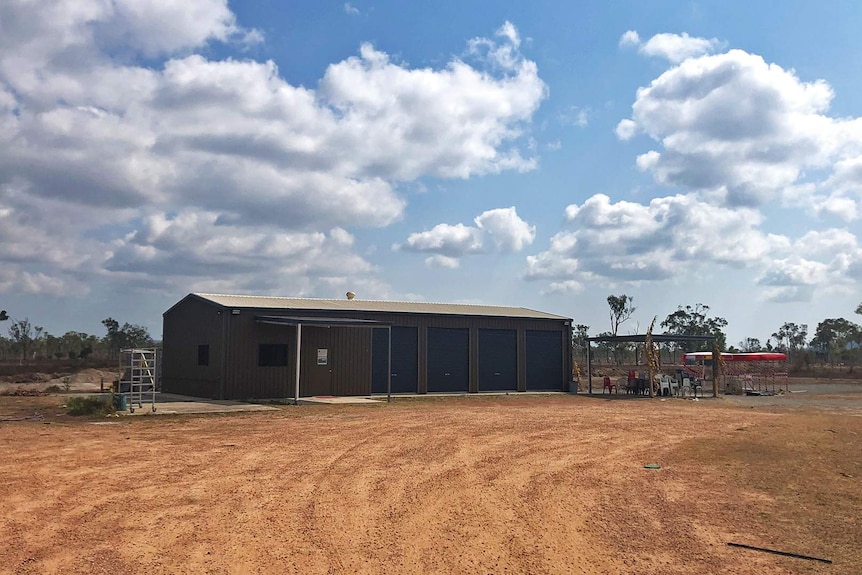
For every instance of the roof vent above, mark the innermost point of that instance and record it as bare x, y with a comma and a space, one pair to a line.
350, 295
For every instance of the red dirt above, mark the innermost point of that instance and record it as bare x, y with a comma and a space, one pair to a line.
519, 484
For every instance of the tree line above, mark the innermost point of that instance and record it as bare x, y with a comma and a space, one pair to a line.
835, 340
29, 342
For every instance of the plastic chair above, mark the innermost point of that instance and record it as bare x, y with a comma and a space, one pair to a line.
686, 386
664, 384
609, 385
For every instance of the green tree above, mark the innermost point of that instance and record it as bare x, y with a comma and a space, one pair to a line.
24, 335
693, 320
790, 338
604, 347
837, 339
580, 333
127, 336
750, 345
621, 311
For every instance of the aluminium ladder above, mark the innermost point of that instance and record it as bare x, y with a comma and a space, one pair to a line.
140, 376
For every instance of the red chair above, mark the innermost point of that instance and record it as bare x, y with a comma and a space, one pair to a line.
609, 385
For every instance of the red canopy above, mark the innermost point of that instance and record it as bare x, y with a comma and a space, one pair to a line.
756, 356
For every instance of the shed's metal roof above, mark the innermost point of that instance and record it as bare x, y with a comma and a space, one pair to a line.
348, 305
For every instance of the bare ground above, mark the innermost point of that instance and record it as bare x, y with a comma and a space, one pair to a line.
519, 484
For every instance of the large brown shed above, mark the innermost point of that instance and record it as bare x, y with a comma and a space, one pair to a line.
240, 346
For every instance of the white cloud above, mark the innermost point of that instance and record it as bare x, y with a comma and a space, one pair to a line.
672, 47
24, 282
164, 26
741, 131
191, 247
508, 231
452, 123
567, 287
451, 240
626, 241
630, 38
788, 294
84, 125
678, 47
648, 160
576, 116
350, 8
626, 129
440, 261
821, 260
609, 243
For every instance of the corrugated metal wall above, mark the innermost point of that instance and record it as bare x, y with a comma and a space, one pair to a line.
350, 351
351, 360
186, 326
245, 378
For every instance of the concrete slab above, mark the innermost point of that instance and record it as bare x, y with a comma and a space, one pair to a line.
327, 399
172, 404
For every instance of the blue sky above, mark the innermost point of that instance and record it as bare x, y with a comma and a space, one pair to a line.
537, 154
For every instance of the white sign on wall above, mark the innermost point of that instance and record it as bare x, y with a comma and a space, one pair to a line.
322, 356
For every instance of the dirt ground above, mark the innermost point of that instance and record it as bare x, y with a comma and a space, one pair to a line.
84, 380
506, 484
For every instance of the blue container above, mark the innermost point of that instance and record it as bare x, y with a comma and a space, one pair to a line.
120, 402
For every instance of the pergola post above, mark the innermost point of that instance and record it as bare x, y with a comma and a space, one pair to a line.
389, 368
298, 362
590, 366
716, 368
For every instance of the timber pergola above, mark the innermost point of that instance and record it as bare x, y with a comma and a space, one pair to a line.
656, 338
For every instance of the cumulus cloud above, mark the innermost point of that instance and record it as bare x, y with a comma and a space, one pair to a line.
672, 47
450, 240
610, 242
191, 247
507, 231
626, 129
630, 38
107, 107
627, 241
678, 47
442, 262
826, 260
742, 132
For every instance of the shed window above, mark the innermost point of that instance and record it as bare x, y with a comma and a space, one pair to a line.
204, 354
272, 355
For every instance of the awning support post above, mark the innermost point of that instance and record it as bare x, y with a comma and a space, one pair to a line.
298, 362
389, 368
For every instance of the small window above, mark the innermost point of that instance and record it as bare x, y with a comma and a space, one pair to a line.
272, 355
204, 354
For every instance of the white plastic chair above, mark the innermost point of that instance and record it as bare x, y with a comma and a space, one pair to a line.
663, 384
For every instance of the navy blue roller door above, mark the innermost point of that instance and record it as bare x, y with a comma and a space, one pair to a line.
405, 360
498, 360
448, 359
545, 360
